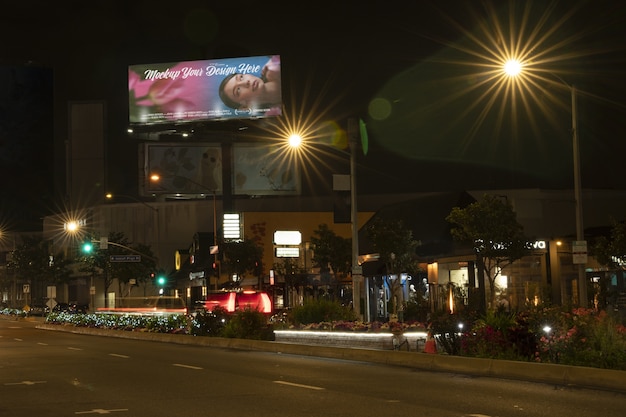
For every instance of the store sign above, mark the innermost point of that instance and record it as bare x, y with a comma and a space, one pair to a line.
287, 252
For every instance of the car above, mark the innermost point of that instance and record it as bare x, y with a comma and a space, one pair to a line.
38, 309
61, 308
72, 308
79, 308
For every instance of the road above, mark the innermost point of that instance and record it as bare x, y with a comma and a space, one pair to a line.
47, 373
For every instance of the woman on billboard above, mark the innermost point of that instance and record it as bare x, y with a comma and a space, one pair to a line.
248, 92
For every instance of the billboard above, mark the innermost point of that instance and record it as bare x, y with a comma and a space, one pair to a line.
197, 168
196, 91
183, 169
264, 170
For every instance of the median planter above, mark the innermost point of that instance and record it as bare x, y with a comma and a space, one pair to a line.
376, 340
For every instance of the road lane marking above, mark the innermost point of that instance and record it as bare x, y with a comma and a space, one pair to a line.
117, 355
293, 384
42, 343
25, 383
74, 348
18, 340
101, 411
180, 365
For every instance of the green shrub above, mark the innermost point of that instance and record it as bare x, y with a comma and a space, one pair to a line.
210, 323
317, 311
248, 324
579, 337
499, 335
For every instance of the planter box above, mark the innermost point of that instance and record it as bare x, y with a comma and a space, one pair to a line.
378, 341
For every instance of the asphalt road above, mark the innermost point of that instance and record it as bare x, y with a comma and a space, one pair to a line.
48, 373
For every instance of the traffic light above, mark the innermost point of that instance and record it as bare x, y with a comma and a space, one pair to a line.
161, 280
87, 247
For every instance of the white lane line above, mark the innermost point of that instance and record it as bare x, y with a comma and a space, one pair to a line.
180, 365
101, 411
293, 384
73, 348
117, 355
25, 383
18, 340
42, 343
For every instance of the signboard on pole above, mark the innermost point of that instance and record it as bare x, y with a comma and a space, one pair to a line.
125, 258
579, 251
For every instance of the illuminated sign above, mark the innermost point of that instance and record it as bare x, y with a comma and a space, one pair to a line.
192, 91
232, 226
287, 237
286, 252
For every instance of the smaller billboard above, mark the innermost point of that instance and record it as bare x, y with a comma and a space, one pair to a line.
183, 168
195, 91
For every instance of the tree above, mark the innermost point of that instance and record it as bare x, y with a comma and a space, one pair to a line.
331, 252
32, 259
611, 250
491, 227
396, 247
99, 261
241, 258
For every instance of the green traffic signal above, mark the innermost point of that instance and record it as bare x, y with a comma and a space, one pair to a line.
87, 247
161, 280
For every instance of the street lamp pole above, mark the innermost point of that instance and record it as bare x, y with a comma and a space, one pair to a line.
582, 280
357, 271
155, 210
156, 178
579, 248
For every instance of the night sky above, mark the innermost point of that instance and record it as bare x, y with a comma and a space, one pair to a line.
422, 75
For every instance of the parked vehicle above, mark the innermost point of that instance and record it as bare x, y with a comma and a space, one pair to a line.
38, 309
72, 308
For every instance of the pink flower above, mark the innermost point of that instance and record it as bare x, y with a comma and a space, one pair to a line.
174, 96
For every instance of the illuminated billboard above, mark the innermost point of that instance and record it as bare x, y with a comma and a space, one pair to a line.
195, 91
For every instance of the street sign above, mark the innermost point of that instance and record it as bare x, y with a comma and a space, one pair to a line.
579, 251
125, 258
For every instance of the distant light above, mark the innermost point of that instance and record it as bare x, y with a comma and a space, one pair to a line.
295, 140
513, 67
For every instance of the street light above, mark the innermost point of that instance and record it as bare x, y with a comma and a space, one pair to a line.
515, 68
110, 196
295, 141
155, 177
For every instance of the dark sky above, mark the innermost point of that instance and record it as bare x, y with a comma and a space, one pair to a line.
420, 74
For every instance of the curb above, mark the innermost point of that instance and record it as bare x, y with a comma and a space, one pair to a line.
562, 375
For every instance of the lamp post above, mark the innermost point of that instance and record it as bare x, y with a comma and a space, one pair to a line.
357, 270
155, 210
295, 141
514, 68
580, 238
154, 177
